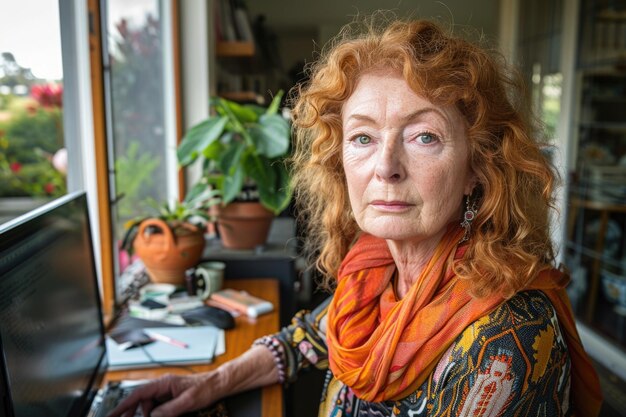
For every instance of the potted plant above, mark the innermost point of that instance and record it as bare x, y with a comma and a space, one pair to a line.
172, 240
244, 147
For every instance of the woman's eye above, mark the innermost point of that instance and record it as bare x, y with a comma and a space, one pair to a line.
427, 138
363, 140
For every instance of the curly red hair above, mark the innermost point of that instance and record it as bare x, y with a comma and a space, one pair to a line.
510, 240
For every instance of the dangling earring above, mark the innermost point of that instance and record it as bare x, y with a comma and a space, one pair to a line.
468, 217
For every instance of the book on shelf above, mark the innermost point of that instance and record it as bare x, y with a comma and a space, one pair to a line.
242, 21
217, 21
227, 23
232, 23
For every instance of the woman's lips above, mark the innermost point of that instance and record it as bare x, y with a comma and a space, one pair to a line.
391, 206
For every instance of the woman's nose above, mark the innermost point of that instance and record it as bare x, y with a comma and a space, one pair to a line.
389, 164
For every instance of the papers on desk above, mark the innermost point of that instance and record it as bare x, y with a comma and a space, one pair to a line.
203, 343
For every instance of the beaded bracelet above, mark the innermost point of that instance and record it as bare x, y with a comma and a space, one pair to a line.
276, 348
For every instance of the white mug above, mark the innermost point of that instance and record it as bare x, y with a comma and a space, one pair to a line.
158, 292
208, 278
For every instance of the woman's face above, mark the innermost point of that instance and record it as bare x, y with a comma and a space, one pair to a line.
405, 160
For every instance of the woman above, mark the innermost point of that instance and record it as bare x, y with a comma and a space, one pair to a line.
427, 197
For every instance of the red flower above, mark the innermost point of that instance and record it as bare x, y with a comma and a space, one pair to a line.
48, 188
15, 167
48, 95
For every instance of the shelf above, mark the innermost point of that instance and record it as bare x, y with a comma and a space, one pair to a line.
608, 70
603, 65
598, 205
242, 96
609, 99
583, 250
620, 126
235, 49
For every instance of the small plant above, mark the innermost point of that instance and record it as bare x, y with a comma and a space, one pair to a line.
243, 147
192, 210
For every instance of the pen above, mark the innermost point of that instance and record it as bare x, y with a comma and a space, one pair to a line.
162, 338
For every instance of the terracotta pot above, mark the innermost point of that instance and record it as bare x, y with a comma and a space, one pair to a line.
243, 225
168, 255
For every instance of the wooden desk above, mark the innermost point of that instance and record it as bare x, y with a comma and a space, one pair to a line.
238, 340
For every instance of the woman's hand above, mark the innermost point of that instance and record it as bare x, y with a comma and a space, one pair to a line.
172, 395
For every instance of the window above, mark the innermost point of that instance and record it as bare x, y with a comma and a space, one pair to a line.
539, 53
141, 117
33, 156
46, 108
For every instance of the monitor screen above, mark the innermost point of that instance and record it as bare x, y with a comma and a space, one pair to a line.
50, 320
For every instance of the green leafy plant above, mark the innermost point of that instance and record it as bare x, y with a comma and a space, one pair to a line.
193, 209
244, 147
134, 171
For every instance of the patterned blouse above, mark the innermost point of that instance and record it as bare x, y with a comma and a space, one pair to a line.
510, 362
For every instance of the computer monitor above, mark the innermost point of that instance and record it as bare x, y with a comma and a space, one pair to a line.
52, 344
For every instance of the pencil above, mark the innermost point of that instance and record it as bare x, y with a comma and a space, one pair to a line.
162, 338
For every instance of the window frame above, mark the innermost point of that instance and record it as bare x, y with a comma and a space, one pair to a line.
97, 144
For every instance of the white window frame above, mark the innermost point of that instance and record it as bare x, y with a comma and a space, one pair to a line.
78, 111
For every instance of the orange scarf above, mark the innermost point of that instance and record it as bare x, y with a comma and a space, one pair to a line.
385, 349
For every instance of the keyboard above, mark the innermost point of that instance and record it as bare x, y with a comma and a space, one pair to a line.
115, 392
110, 396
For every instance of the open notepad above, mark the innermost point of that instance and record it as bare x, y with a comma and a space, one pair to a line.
203, 344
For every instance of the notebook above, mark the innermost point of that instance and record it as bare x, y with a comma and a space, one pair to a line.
191, 345
53, 353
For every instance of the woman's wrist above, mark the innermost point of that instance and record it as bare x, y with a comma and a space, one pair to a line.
221, 381
278, 354
253, 369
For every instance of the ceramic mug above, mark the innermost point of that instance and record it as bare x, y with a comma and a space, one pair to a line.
205, 279
157, 292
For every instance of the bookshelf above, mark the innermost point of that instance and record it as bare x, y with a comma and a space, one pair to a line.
595, 246
236, 53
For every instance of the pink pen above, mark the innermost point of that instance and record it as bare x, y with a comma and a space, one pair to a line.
162, 338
